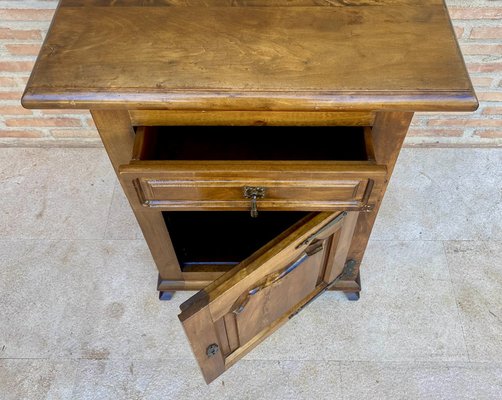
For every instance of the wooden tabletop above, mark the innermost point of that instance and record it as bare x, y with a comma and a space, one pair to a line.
251, 55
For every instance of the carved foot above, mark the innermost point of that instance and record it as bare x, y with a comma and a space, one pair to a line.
352, 296
166, 295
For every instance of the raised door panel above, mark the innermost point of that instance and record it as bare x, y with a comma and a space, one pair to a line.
231, 316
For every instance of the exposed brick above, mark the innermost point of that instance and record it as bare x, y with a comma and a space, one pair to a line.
479, 81
90, 122
14, 110
10, 95
17, 34
490, 96
486, 33
493, 111
13, 82
475, 13
465, 122
459, 31
23, 49
16, 66
26, 14
65, 125
20, 134
485, 67
76, 133
42, 122
65, 112
427, 132
489, 134
488, 49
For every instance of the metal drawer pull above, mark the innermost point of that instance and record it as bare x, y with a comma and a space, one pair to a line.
254, 193
276, 277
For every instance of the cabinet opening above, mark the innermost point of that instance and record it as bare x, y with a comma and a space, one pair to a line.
218, 240
289, 143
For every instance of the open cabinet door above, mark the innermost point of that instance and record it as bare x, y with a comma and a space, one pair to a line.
247, 304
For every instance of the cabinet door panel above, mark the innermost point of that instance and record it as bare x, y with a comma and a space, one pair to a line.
232, 315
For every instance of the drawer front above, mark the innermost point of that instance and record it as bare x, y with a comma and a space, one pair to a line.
231, 185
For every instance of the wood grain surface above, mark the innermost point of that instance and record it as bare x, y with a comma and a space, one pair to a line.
251, 55
273, 295
305, 186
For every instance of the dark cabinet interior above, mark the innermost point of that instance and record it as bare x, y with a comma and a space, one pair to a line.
288, 143
218, 240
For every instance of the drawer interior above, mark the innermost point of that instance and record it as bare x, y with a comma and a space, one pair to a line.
221, 239
289, 143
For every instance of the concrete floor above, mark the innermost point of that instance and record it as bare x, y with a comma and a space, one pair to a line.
80, 319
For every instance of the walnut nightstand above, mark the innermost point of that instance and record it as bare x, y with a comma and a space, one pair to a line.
254, 139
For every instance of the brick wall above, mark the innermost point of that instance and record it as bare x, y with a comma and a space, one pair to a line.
478, 24
23, 24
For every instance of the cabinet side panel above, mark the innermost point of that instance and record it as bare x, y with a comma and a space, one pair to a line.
117, 135
388, 134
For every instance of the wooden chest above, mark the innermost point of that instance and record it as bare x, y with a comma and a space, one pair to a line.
254, 139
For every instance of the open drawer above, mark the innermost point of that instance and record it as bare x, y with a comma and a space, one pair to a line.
253, 168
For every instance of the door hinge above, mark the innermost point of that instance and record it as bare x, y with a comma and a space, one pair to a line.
368, 208
347, 272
